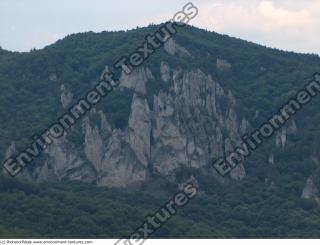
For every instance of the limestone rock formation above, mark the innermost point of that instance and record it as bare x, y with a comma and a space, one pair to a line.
165, 71
136, 79
310, 191
66, 96
223, 65
187, 126
139, 129
172, 47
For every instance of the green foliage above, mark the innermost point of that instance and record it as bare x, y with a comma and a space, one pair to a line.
247, 209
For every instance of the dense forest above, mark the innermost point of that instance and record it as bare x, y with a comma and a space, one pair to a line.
249, 208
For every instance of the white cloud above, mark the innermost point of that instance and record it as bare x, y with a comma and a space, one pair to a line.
285, 26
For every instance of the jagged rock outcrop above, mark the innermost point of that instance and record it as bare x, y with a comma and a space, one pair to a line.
271, 159
53, 77
140, 129
168, 151
223, 65
238, 172
187, 126
165, 71
12, 151
136, 79
281, 137
282, 133
172, 47
66, 96
65, 162
310, 191
244, 126
121, 167
93, 144
106, 158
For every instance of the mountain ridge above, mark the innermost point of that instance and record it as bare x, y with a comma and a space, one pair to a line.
163, 127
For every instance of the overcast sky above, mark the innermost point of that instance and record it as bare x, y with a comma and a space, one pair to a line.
285, 24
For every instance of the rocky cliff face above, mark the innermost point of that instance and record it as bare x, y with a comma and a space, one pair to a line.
187, 126
191, 124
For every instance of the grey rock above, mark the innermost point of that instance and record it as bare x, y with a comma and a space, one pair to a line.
121, 166
223, 65
53, 77
93, 144
238, 172
136, 79
281, 137
244, 126
271, 159
140, 129
65, 97
165, 71
65, 162
11, 150
172, 48
310, 191
188, 126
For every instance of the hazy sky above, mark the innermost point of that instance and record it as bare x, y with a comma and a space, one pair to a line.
286, 24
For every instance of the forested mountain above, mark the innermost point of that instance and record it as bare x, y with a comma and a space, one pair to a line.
188, 104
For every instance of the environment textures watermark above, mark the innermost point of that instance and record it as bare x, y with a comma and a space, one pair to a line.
153, 222
106, 84
251, 142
